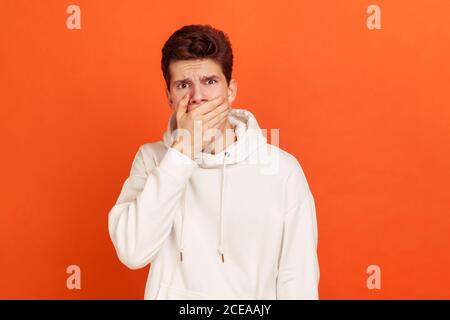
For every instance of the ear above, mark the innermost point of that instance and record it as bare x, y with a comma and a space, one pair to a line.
232, 91
169, 98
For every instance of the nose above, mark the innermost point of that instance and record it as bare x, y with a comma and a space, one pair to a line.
197, 96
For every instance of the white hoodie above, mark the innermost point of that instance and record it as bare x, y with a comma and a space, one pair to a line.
240, 224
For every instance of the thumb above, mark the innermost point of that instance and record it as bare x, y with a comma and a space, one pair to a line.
182, 104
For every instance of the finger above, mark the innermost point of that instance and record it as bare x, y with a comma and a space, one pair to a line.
182, 104
213, 113
216, 121
208, 106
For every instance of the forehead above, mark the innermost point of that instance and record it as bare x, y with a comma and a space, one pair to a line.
184, 69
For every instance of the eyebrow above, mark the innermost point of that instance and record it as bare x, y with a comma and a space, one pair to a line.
203, 78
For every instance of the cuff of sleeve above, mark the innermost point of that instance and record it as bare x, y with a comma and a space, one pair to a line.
177, 164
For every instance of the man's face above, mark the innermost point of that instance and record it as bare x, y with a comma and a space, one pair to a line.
203, 79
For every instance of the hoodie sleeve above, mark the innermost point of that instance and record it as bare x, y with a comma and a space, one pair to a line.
143, 215
298, 270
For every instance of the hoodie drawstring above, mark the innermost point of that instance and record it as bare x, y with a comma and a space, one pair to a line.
222, 204
182, 226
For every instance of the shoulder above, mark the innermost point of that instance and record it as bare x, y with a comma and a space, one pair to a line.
286, 162
152, 149
287, 167
149, 154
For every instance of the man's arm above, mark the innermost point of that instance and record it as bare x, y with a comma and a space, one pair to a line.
298, 271
144, 213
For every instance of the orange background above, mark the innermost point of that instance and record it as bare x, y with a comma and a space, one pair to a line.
366, 112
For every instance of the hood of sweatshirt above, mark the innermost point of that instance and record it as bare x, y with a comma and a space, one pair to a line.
249, 139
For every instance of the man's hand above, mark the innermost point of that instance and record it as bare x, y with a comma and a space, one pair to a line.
208, 116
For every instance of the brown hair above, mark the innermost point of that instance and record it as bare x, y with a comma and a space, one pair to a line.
197, 42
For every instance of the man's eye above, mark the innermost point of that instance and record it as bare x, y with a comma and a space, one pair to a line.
182, 85
211, 81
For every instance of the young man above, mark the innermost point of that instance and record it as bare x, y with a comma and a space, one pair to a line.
217, 211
